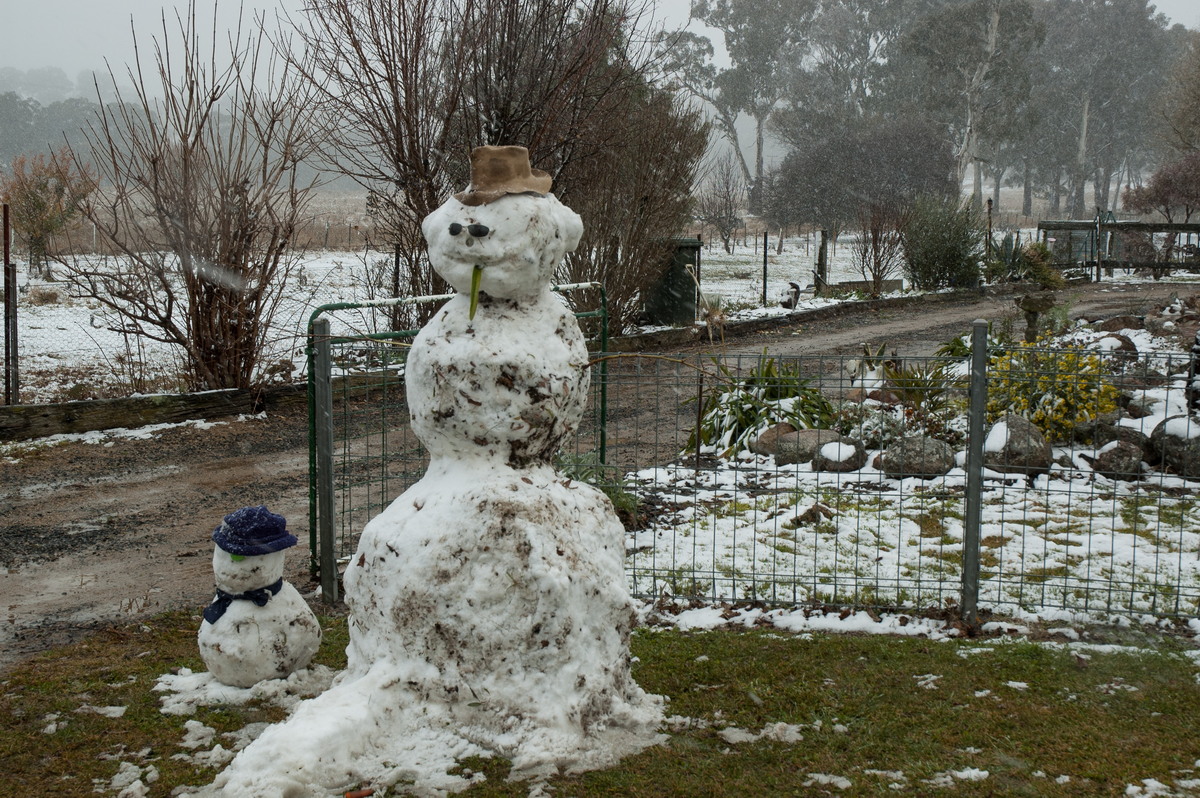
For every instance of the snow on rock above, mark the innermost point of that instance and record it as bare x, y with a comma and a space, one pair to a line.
1182, 427
838, 452
489, 611
997, 437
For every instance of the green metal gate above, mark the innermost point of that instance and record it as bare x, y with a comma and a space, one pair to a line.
362, 452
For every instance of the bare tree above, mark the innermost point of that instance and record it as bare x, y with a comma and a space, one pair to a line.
637, 197
199, 198
879, 251
409, 88
721, 203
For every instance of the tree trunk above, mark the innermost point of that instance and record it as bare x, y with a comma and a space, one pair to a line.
755, 198
1102, 187
1080, 176
977, 186
1027, 190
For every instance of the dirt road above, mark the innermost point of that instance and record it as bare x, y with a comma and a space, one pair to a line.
96, 534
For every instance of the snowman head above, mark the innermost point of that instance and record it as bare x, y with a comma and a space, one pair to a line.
237, 573
506, 226
250, 549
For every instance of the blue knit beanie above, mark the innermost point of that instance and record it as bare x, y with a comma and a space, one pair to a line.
252, 531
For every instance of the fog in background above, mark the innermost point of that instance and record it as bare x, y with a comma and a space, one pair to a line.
50, 49
78, 35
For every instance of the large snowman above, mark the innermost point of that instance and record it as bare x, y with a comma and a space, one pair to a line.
489, 613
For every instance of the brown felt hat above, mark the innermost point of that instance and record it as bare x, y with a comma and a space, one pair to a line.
499, 171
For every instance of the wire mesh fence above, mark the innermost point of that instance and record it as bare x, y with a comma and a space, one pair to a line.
1088, 476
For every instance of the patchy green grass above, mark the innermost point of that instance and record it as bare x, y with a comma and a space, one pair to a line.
872, 710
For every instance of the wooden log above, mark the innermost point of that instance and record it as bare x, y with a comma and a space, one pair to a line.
22, 422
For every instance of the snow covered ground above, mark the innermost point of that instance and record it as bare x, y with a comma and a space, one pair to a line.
1071, 540
68, 348
69, 351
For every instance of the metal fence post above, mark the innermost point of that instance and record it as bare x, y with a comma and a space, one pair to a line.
973, 501
12, 379
323, 416
764, 269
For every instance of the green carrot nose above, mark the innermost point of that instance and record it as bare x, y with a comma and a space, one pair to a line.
475, 275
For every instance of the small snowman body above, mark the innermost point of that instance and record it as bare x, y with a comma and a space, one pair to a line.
258, 626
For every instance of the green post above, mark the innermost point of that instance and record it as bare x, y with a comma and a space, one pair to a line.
323, 401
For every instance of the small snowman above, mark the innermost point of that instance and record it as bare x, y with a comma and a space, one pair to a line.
257, 627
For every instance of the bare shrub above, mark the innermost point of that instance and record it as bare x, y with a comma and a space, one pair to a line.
45, 194
722, 200
200, 199
879, 251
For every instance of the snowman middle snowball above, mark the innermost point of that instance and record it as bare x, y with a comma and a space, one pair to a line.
509, 383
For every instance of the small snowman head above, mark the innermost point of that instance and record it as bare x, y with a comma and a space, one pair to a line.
249, 549
506, 233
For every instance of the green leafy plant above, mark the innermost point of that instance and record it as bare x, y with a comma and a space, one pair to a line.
747, 405
586, 467
1036, 263
1004, 261
1056, 389
943, 245
924, 386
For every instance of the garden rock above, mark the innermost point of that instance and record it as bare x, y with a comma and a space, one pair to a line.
1120, 346
768, 442
917, 456
1014, 445
881, 395
1140, 407
1141, 375
1117, 460
1118, 323
841, 456
1176, 441
1107, 428
802, 446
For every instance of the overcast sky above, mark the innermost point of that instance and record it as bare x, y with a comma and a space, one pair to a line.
78, 35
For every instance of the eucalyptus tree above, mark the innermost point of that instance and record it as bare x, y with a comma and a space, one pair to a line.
1107, 60
879, 163
1178, 106
968, 69
763, 40
17, 115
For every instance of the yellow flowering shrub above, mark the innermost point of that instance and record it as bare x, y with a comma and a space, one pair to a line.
1057, 389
